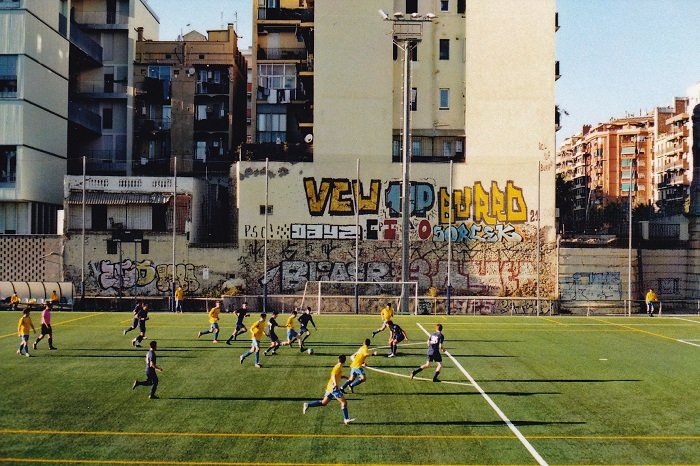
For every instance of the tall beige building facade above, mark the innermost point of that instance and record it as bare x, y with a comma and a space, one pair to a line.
34, 77
325, 165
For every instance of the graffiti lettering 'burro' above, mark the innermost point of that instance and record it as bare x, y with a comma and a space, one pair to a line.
129, 274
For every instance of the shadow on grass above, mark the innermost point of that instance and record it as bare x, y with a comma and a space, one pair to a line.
471, 393
469, 423
560, 380
240, 398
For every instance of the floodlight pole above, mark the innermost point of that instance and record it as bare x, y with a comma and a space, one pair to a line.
407, 31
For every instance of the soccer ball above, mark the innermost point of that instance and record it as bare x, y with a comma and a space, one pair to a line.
310, 351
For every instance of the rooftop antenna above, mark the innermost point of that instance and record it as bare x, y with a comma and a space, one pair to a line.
222, 19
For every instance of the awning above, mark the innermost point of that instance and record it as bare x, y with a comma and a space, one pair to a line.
101, 198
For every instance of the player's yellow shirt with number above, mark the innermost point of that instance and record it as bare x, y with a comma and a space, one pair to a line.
257, 329
387, 313
24, 325
360, 357
336, 375
214, 314
290, 322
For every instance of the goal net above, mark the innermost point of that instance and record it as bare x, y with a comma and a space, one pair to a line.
342, 297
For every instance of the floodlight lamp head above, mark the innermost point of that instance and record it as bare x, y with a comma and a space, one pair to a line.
398, 15
383, 14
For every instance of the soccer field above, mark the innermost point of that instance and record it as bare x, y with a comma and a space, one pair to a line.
514, 390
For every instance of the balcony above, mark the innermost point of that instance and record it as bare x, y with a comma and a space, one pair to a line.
431, 149
98, 162
84, 118
284, 152
211, 124
282, 54
212, 88
100, 90
286, 14
82, 42
101, 19
152, 124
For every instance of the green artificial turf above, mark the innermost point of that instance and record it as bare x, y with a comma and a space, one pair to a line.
569, 390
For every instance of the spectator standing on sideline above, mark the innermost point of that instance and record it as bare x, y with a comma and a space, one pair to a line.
652, 301
46, 329
179, 296
151, 368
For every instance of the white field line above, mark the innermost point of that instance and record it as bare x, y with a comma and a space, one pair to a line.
464, 384
690, 342
687, 320
495, 407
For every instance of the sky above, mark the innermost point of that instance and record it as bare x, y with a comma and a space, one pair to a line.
617, 57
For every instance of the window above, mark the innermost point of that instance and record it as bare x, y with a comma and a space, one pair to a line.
200, 151
272, 127
444, 49
411, 6
277, 76
262, 210
159, 72
414, 99
444, 5
414, 52
107, 118
8, 76
8, 164
461, 6
444, 99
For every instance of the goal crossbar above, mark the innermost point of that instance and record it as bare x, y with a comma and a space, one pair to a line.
350, 296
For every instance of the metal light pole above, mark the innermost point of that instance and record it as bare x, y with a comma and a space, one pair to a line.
407, 31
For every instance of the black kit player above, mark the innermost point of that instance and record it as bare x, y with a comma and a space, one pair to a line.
304, 320
241, 314
435, 346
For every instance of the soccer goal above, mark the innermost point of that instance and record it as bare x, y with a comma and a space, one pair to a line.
340, 297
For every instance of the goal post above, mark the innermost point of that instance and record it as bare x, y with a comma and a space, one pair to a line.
343, 297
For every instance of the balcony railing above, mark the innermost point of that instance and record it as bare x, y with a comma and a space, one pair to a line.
153, 124
85, 118
100, 89
286, 14
282, 53
85, 43
100, 17
431, 149
299, 152
212, 88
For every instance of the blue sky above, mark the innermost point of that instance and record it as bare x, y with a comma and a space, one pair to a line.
616, 56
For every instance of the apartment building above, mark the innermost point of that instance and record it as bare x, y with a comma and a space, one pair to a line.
34, 80
672, 158
103, 42
325, 165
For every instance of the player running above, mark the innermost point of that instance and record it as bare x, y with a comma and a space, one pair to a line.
357, 367
333, 391
397, 336
292, 334
387, 314
151, 368
142, 317
257, 330
274, 339
435, 346
241, 314
304, 320
135, 321
213, 323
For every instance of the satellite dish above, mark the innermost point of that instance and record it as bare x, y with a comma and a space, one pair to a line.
309, 138
191, 71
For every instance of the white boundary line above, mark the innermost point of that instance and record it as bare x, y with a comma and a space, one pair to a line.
463, 384
688, 342
495, 407
687, 320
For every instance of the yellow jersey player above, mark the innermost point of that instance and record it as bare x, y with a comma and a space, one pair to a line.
357, 367
333, 391
25, 323
213, 322
292, 334
257, 330
387, 314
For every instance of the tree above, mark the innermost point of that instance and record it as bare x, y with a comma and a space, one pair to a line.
565, 202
